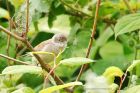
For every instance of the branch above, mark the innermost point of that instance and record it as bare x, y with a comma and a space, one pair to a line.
77, 10
91, 39
15, 60
11, 34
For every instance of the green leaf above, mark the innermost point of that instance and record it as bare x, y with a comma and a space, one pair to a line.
61, 71
111, 72
79, 41
73, 32
111, 49
59, 9
104, 37
127, 24
16, 3
138, 70
55, 88
118, 61
18, 69
58, 26
76, 61
4, 13
24, 90
77, 45
133, 65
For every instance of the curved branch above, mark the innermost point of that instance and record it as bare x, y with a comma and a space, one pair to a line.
15, 60
11, 34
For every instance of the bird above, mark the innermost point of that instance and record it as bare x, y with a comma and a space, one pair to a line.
55, 45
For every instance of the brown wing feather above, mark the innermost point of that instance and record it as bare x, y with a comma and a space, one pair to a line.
40, 46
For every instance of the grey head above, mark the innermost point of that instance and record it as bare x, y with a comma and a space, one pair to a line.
60, 38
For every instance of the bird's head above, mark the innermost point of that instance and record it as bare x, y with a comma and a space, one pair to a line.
60, 38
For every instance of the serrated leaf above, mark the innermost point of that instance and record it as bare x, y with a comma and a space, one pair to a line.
127, 24
55, 88
24, 90
4, 13
76, 61
20, 69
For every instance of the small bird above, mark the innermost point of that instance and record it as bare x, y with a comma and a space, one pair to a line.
55, 45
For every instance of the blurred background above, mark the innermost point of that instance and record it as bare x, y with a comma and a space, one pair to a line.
74, 18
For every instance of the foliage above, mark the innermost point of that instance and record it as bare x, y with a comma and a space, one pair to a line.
127, 24
55, 88
115, 50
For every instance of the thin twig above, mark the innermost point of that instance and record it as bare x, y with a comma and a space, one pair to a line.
52, 70
91, 39
122, 80
128, 6
12, 34
15, 60
8, 36
8, 44
25, 48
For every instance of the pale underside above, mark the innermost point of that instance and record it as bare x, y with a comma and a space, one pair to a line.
51, 47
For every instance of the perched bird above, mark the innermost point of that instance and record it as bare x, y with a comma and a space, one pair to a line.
54, 45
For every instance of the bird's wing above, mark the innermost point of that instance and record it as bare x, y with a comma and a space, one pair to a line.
40, 46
